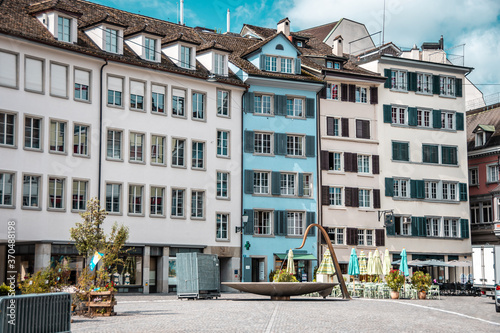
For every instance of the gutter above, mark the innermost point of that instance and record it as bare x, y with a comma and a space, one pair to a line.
100, 132
319, 206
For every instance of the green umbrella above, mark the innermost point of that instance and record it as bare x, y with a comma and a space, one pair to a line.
362, 263
377, 263
290, 266
353, 268
403, 266
326, 266
386, 269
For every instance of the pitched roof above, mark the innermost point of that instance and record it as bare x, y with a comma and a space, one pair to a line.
487, 117
61, 5
322, 31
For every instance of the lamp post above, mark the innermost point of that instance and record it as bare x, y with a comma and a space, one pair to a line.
244, 220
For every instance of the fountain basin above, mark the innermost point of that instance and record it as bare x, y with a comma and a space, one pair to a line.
283, 290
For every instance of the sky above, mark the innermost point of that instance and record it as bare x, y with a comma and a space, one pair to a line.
475, 23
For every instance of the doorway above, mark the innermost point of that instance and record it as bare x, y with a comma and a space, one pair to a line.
259, 270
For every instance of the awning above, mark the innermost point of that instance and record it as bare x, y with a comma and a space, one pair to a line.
296, 256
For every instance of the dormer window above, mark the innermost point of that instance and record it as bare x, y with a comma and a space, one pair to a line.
62, 26
185, 57
299, 44
480, 139
64, 29
270, 63
336, 65
150, 49
329, 64
286, 65
111, 36
219, 64
145, 45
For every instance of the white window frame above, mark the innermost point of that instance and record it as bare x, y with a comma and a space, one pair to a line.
432, 190
34, 180
399, 80
404, 225
116, 148
297, 107
81, 146
223, 181
434, 226
288, 184
222, 226
266, 146
178, 203
64, 36
135, 193
111, 40
195, 160
80, 189
402, 187
286, 65
55, 91
197, 205
259, 104
155, 193
137, 142
185, 59
334, 160
261, 182
115, 93
492, 173
364, 164
449, 191
30, 85
82, 85
361, 95
137, 101
265, 224
7, 188
365, 198
223, 99
399, 115
295, 148
29, 131
223, 144
158, 148
295, 221
220, 64
448, 120
57, 137
336, 196
158, 96
115, 187
9, 69
307, 185
333, 91
150, 53
447, 86
424, 83
473, 176
5, 125
271, 63
179, 160
339, 236
198, 113
179, 102
424, 118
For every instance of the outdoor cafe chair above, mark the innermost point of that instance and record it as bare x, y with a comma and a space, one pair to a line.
383, 291
433, 292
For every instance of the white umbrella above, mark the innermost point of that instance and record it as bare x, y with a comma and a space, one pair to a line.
386, 269
377, 263
369, 270
290, 266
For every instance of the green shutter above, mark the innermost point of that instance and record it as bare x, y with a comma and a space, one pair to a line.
249, 140
413, 189
422, 227
248, 228
405, 153
414, 226
279, 222
310, 146
396, 151
301, 184
387, 114
310, 108
389, 187
279, 143
297, 66
249, 102
464, 228
311, 219
412, 116
420, 184
463, 191
436, 118
262, 62
458, 87
275, 183
459, 117
279, 105
436, 88
412, 81
248, 181
388, 75
449, 155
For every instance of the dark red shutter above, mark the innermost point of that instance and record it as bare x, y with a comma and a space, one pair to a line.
352, 93
373, 95
376, 198
324, 160
366, 129
343, 92
354, 162
375, 165
355, 197
348, 196
330, 126
345, 127
379, 237
352, 236
347, 162
325, 195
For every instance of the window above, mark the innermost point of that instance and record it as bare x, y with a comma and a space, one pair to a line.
364, 198
185, 57
136, 141
114, 145
402, 225
197, 205
398, 115
222, 143
336, 235
424, 118
336, 65
447, 120
336, 196
64, 29
449, 191
333, 126
295, 224
361, 237
360, 95
198, 155
222, 185
262, 104
399, 80
335, 161
401, 188
82, 84
294, 145
295, 107
158, 99
473, 176
424, 83
262, 223
6, 189
34, 75
447, 86
178, 152
364, 163
149, 48
262, 143
475, 216
31, 188
157, 149
178, 98
299, 44
332, 91
80, 140
287, 184
111, 39
362, 129
400, 151
113, 198
307, 185
135, 194
9, 67
32, 133
198, 106
57, 136
222, 226
177, 203
223, 103
270, 63
219, 64
449, 155
329, 64
286, 65
433, 227
369, 238
261, 182
480, 139
492, 173
56, 193
157, 200
487, 212
450, 227
431, 189
115, 89
430, 154
79, 199
58, 80
136, 95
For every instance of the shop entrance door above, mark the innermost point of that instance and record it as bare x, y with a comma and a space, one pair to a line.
152, 275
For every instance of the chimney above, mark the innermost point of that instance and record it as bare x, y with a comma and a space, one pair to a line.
337, 47
228, 21
441, 43
284, 26
182, 13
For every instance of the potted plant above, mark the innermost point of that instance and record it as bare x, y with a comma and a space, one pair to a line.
395, 280
421, 282
284, 276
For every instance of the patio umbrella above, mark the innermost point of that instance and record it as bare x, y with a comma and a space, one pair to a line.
326, 266
403, 267
377, 263
386, 269
353, 268
362, 263
290, 266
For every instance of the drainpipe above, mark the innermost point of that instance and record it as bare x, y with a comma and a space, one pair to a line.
100, 133
242, 192
318, 168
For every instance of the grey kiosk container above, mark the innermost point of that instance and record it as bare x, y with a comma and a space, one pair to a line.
198, 275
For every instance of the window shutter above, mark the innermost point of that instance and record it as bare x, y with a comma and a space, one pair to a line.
388, 75
325, 195
330, 126
262, 62
414, 226
355, 197
464, 228
396, 151
348, 196
436, 88
352, 236
376, 198
34, 75
373, 95
375, 164
249, 181
249, 102
345, 127
420, 189
359, 128
8, 70
387, 114
404, 151
275, 183
311, 219
310, 146
324, 160
354, 163
379, 237
297, 66
459, 117
322, 93
343, 92
422, 227
389, 187
412, 116
300, 184
279, 143
248, 229
58, 80
413, 188
412, 81
436, 118
279, 222
347, 162
352, 93
366, 129
280, 105
249, 140
310, 108
458, 87
463, 191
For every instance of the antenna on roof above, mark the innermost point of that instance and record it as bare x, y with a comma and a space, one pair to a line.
383, 25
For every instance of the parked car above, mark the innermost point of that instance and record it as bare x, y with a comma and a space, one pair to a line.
497, 298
